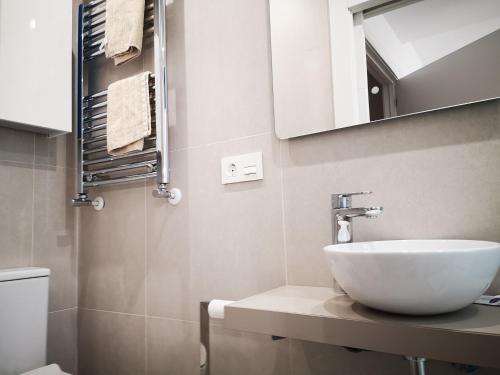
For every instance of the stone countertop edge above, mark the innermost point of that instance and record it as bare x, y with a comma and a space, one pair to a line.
469, 336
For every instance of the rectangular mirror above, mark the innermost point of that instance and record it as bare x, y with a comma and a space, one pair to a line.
340, 63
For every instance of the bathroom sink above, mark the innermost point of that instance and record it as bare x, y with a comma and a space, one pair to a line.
416, 277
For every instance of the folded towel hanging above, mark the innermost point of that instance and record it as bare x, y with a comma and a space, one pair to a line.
124, 29
129, 114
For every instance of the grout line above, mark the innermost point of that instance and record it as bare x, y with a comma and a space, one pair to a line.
139, 315
283, 221
238, 139
187, 148
17, 163
111, 312
146, 362
173, 319
32, 260
62, 310
76, 243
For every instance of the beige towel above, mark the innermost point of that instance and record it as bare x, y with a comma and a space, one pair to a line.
129, 114
124, 29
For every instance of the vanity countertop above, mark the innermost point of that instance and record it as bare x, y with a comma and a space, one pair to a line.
318, 314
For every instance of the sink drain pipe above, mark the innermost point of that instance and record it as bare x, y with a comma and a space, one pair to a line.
417, 365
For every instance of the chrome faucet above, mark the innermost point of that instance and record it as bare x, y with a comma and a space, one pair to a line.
343, 213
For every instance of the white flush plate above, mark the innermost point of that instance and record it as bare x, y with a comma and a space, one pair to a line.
242, 168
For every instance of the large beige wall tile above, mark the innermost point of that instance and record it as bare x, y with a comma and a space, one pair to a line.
432, 173
222, 241
308, 358
206, 247
62, 339
16, 145
111, 343
112, 251
54, 234
234, 352
228, 68
16, 214
55, 151
173, 347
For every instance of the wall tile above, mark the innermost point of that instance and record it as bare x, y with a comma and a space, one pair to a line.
62, 339
110, 343
16, 145
16, 214
308, 358
54, 234
173, 347
221, 241
112, 255
55, 151
423, 170
234, 352
229, 70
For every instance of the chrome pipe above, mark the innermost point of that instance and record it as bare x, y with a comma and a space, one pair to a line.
80, 190
95, 128
104, 137
151, 164
417, 365
91, 129
95, 96
119, 180
95, 106
108, 159
90, 140
90, 35
103, 115
96, 117
95, 150
93, 4
160, 59
89, 14
89, 25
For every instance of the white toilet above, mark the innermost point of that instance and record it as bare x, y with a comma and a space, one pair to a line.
24, 296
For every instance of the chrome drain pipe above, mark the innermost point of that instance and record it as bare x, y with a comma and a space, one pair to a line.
417, 365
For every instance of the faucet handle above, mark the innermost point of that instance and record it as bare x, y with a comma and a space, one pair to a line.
343, 200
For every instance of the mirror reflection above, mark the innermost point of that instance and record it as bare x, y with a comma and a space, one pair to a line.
339, 63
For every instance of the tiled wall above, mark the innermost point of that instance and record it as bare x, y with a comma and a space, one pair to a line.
37, 226
145, 265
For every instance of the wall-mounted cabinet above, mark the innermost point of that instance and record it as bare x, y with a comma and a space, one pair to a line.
36, 40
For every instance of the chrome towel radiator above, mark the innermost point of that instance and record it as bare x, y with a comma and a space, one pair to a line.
95, 167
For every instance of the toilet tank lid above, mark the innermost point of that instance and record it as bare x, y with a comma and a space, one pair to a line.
23, 273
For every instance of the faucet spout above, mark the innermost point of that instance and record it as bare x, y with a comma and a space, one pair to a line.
343, 213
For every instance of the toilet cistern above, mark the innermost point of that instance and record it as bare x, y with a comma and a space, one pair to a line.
343, 213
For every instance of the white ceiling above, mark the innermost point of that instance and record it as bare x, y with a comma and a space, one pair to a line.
420, 33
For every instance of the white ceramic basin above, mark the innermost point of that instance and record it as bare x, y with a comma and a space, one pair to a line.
417, 277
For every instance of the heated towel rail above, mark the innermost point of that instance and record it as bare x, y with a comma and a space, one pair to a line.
95, 167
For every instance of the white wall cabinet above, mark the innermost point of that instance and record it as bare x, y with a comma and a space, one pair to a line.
36, 41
